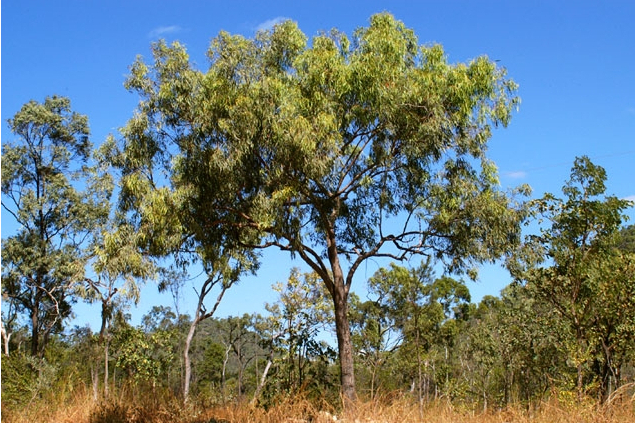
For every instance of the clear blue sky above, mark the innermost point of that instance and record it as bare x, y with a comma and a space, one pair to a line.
574, 62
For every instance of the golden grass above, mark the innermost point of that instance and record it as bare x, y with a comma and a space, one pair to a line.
403, 411
75, 408
164, 408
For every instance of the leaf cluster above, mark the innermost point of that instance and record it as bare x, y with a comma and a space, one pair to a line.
283, 143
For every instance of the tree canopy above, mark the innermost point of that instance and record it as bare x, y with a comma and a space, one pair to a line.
58, 200
317, 149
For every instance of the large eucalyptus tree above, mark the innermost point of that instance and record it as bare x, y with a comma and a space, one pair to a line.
337, 151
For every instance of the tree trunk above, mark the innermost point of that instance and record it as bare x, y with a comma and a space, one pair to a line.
35, 334
186, 359
199, 316
339, 289
222, 377
94, 374
419, 373
241, 370
106, 370
373, 374
261, 384
6, 336
103, 338
579, 384
344, 344
580, 353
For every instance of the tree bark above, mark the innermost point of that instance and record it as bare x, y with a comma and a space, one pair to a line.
186, 359
106, 370
6, 336
199, 316
35, 334
338, 288
222, 377
94, 374
344, 344
261, 384
104, 338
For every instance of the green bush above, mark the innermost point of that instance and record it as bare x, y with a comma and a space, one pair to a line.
24, 378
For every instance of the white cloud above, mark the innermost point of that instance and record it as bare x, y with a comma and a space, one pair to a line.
164, 30
519, 174
629, 198
269, 24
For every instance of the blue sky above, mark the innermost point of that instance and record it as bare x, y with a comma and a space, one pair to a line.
573, 60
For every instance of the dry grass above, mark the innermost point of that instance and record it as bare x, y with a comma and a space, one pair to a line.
163, 408
403, 410
75, 408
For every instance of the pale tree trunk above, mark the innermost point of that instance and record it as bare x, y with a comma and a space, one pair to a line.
6, 336
241, 369
104, 336
94, 374
265, 372
579, 384
186, 359
199, 316
419, 375
222, 376
372, 380
263, 378
579, 359
484, 401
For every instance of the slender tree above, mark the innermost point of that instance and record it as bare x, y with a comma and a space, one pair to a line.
157, 210
338, 152
294, 321
57, 200
201, 313
119, 267
237, 337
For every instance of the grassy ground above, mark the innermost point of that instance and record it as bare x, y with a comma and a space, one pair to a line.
80, 408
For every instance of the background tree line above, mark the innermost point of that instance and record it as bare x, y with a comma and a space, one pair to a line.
338, 152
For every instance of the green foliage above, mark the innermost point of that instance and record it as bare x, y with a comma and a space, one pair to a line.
119, 264
627, 239
145, 357
531, 345
408, 327
210, 367
575, 266
509, 351
291, 332
19, 380
312, 138
42, 173
338, 150
119, 267
158, 318
318, 148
